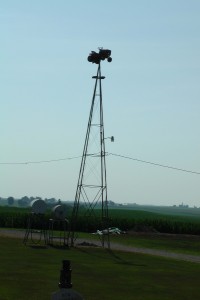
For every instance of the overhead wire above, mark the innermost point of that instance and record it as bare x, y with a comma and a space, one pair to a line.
40, 161
107, 154
155, 164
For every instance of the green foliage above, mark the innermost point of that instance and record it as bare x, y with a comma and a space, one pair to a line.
124, 219
128, 219
10, 200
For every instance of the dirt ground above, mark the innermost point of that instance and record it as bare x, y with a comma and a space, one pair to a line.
81, 243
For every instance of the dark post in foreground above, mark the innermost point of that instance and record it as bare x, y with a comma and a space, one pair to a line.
65, 285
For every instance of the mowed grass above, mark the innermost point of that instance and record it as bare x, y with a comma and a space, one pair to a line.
33, 273
185, 244
169, 242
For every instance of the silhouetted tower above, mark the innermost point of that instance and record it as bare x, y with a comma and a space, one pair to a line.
91, 188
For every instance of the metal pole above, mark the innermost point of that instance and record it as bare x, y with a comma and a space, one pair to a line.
81, 171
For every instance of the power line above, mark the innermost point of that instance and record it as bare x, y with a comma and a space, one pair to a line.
39, 162
96, 154
155, 164
47, 161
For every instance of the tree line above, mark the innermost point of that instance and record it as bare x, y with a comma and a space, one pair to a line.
25, 201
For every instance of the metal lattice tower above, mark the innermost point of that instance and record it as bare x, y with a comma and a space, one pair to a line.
91, 191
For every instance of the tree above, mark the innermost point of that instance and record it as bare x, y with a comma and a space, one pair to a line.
24, 201
50, 200
59, 202
10, 200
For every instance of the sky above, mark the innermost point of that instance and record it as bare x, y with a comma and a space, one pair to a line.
150, 97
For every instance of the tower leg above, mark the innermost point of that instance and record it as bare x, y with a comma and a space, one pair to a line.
91, 189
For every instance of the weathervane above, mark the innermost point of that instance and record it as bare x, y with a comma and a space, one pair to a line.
103, 54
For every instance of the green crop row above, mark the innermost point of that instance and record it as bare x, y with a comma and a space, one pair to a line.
125, 220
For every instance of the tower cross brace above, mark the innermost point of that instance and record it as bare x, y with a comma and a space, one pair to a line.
91, 188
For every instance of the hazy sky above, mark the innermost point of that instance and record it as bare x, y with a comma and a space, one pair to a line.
151, 96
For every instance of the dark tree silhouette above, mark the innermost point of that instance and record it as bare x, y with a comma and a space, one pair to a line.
10, 200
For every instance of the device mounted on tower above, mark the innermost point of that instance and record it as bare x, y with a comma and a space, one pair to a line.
103, 54
92, 182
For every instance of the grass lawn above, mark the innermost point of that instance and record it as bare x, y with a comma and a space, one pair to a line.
33, 273
174, 243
